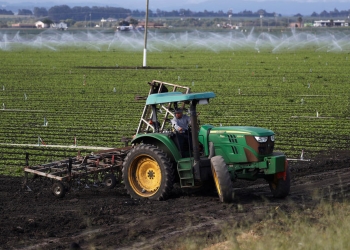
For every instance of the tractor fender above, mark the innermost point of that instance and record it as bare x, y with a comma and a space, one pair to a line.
162, 141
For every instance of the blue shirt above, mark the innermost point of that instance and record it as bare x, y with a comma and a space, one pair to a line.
183, 122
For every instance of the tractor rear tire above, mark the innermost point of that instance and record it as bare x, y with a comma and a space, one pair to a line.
280, 187
148, 173
222, 178
58, 189
110, 181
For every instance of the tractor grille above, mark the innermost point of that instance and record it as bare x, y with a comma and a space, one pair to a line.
234, 150
232, 138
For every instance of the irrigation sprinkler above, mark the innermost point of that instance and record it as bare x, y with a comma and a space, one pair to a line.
45, 122
40, 141
114, 90
317, 115
299, 159
25, 97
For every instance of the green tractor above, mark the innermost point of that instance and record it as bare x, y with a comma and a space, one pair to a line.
222, 154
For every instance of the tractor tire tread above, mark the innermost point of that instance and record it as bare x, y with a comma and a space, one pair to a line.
224, 179
165, 190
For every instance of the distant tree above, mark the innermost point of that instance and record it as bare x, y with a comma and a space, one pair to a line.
6, 12
300, 20
124, 23
335, 12
25, 12
60, 12
47, 21
133, 21
40, 12
3, 24
324, 14
314, 14
137, 12
69, 22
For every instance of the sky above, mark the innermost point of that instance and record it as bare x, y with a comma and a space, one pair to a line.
284, 7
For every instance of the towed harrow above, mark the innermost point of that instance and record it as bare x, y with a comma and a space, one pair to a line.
100, 168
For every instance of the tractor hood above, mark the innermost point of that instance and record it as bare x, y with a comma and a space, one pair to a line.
244, 130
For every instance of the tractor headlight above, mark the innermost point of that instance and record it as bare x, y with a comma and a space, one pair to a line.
261, 138
272, 138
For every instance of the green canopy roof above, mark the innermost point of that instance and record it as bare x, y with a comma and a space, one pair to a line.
177, 97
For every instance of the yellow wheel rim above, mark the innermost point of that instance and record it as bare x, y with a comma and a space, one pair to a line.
216, 180
145, 175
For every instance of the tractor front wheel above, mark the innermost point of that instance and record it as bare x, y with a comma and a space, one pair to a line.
148, 173
222, 178
280, 186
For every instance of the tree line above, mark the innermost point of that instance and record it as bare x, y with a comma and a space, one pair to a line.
79, 13
334, 13
6, 12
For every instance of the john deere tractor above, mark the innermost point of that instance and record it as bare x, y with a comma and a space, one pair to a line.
222, 154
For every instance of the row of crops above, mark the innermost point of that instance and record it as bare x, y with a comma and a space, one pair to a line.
90, 95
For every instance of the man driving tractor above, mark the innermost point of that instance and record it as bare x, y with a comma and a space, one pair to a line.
180, 123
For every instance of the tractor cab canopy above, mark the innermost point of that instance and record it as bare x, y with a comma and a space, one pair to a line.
161, 104
174, 97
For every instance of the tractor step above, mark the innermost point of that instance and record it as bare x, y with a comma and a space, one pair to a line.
184, 168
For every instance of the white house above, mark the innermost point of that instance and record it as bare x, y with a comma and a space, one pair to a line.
41, 25
59, 26
327, 23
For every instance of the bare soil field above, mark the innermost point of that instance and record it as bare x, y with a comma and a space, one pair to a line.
97, 218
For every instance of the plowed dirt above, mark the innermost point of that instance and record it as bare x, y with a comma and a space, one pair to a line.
97, 218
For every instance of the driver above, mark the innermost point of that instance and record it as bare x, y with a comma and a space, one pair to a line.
180, 122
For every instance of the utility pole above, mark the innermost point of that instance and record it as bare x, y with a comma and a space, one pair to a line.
276, 19
145, 45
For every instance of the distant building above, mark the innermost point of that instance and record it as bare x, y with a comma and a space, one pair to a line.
296, 25
59, 26
23, 25
111, 20
41, 25
125, 28
152, 25
328, 23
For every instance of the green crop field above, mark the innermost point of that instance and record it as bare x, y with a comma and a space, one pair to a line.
302, 95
